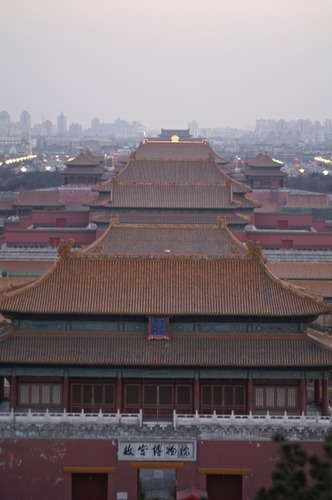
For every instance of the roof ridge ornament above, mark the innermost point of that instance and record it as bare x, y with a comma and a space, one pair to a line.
114, 220
65, 249
255, 252
222, 221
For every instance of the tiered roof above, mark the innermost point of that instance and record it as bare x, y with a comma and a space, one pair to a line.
160, 239
85, 163
86, 159
205, 351
262, 165
104, 284
136, 270
173, 175
181, 148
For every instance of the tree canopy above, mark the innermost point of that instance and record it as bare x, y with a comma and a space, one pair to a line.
298, 475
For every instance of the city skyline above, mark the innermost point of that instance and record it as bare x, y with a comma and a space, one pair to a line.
62, 125
223, 64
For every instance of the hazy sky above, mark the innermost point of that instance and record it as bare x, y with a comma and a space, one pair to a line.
221, 62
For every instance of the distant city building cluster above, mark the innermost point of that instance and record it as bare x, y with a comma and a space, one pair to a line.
25, 127
293, 131
266, 130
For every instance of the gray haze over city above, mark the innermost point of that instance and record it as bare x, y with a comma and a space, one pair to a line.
224, 63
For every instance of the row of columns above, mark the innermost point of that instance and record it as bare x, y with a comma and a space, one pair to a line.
321, 394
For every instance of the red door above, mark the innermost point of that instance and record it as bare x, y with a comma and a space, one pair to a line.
89, 486
224, 487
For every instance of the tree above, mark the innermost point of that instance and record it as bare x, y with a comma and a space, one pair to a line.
299, 476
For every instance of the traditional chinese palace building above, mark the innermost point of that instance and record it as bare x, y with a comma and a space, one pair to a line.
262, 172
157, 363
85, 169
177, 181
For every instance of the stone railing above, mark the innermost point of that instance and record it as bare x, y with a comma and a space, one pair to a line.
284, 420
50, 417
66, 425
178, 420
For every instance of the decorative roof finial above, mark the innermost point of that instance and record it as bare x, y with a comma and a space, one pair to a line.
255, 252
65, 249
114, 220
222, 221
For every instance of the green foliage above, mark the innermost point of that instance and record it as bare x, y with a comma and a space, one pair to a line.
299, 476
12, 181
315, 182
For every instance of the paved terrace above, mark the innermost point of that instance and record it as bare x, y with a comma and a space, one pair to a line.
118, 425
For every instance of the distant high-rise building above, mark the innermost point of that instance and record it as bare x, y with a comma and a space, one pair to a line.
95, 126
193, 128
25, 121
328, 131
75, 130
4, 122
62, 124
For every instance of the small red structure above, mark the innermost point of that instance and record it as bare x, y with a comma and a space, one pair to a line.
191, 494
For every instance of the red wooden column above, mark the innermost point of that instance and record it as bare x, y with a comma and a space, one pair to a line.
250, 395
325, 397
317, 391
13, 392
197, 384
303, 397
118, 394
66, 393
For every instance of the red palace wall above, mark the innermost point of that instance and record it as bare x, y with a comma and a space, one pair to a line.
33, 469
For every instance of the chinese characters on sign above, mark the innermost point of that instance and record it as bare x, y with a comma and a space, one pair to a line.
157, 450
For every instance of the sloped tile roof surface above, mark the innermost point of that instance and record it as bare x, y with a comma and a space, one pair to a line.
302, 270
139, 195
26, 266
308, 200
263, 160
180, 239
38, 197
323, 287
84, 158
174, 150
84, 284
173, 171
8, 284
224, 351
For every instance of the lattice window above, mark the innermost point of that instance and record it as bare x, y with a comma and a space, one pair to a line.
46, 394
57, 394
291, 397
270, 391
281, 396
34, 397
259, 396
43, 395
24, 394
270, 397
